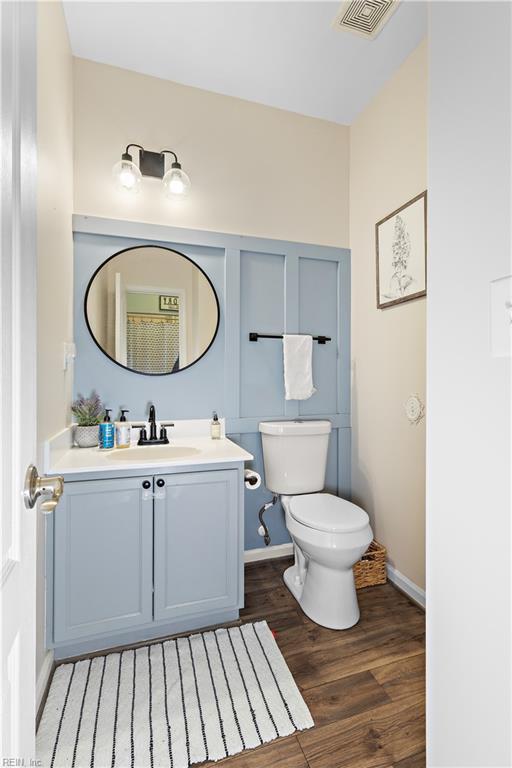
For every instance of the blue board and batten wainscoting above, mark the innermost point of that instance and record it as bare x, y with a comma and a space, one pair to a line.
269, 286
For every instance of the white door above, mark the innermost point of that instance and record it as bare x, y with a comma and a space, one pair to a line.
120, 323
18, 377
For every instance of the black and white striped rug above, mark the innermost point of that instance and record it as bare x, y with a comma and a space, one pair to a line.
175, 703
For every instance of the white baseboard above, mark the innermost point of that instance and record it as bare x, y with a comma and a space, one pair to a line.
268, 553
42, 678
406, 585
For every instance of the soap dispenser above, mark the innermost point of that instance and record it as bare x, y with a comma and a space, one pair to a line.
215, 428
123, 430
106, 432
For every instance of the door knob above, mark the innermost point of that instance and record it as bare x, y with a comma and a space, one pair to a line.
51, 488
160, 482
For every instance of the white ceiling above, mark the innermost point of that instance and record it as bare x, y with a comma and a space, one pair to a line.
283, 54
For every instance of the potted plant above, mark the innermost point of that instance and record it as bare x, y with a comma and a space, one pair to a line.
88, 412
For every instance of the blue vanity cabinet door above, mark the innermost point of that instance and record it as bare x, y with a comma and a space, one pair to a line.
196, 555
103, 553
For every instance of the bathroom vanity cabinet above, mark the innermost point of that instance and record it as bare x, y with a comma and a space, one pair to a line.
131, 558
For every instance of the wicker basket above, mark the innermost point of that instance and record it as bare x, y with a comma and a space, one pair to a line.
371, 569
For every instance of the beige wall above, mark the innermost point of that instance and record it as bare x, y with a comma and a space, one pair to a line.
55, 248
255, 170
388, 166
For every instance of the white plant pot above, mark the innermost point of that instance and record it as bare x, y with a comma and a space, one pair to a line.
86, 437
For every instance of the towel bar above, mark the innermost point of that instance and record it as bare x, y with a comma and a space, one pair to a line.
254, 336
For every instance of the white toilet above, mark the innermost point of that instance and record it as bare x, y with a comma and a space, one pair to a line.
329, 534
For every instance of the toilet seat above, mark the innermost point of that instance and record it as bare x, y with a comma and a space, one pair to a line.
325, 512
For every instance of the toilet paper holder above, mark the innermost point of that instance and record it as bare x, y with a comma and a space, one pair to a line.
252, 479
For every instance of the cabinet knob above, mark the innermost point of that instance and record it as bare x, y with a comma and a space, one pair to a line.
146, 484
160, 482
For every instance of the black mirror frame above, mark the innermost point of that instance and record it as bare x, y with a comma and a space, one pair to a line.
164, 248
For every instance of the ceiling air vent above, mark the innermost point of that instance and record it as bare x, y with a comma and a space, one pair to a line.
364, 17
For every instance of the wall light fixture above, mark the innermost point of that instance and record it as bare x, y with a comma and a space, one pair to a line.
128, 175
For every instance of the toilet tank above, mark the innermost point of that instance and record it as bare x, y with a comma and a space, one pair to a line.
295, 455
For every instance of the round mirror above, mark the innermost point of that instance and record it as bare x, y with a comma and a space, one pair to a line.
152, 310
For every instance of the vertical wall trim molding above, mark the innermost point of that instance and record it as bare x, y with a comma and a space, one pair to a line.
232, 331
291, 308
345, 463
344, 351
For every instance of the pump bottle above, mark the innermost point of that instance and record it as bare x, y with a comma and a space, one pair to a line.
123, 430
215, 428
106, 436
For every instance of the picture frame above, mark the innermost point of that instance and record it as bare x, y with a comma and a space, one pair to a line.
401, 253
168, 303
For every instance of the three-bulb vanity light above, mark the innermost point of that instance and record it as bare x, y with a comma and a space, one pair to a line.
128, 175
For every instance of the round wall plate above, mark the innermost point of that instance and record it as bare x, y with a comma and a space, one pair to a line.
414, 409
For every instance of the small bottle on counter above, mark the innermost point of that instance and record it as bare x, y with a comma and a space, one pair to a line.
106, 437
123, 430
215, 428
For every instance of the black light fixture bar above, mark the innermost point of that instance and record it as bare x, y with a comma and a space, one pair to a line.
254, 336
152, 164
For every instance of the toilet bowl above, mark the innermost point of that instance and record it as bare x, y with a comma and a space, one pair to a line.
329, 534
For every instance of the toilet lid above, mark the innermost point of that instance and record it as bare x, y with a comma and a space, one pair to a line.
326, 512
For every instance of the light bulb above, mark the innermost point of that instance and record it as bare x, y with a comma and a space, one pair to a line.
126, 174
176, 182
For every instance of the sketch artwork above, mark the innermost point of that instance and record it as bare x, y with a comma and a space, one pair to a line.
401, 254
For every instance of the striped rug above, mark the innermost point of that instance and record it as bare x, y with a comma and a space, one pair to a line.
175, 703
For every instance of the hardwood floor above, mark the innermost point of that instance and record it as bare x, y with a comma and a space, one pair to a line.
365, 687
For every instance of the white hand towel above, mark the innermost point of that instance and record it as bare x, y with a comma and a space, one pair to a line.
298, 366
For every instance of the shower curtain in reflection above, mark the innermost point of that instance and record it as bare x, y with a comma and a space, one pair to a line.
153, 342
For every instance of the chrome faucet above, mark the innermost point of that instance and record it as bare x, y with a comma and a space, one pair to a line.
153, 438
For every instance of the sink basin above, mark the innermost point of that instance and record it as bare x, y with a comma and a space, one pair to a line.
153, 453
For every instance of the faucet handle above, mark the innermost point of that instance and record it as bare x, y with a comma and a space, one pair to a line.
163, 430
143, 435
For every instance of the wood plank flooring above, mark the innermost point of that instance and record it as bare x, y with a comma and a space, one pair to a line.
365, 686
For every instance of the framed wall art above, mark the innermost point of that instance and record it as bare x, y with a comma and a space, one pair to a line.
401, 250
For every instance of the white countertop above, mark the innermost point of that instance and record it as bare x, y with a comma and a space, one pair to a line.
209, 451
188, 449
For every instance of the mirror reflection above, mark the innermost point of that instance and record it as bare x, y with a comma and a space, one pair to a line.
152, 310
